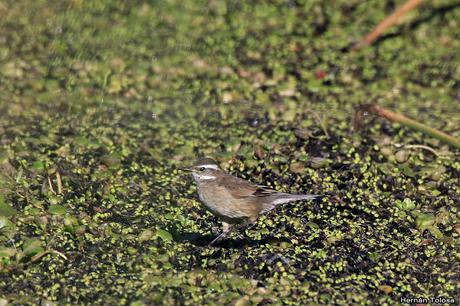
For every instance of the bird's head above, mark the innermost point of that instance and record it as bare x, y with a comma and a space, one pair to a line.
204, 169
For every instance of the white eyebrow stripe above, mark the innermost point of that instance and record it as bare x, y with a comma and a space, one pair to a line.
210, 166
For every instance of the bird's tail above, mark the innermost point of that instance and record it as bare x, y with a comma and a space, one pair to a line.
282, 198
286, 198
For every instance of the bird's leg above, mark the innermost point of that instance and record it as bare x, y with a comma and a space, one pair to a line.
248, 223
226, 229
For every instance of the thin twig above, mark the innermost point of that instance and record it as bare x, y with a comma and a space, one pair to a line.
386, 23
51, 185
42, 254
422, 147
59, 182
395, 117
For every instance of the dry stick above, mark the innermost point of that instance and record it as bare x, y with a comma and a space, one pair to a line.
59, 182
42, 254
386, 23
394, 117
51, 185
422, 147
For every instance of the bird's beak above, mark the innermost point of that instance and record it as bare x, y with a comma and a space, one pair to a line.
186, 169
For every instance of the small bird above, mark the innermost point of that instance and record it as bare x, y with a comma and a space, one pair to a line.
234, 200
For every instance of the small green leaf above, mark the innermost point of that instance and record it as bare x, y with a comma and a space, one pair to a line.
407, 170
312, 225
319, 162
57, 210
82, 141
70, 222
38, 165
6, 252
406, 204
164, 235
435, 231
54, 200
374, 256
111, 160
146, 235
32, 246
4, 222
7, 228
424, 221
5, 209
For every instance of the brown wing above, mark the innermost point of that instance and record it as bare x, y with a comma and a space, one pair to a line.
263, 191
240, 188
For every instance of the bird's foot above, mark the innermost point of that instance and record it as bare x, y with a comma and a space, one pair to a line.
215, 230
217, 239
226, 229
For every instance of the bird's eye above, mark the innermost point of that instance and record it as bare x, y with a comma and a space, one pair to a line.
202, 169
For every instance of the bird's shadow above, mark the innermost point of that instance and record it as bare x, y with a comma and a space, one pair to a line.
200, 240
